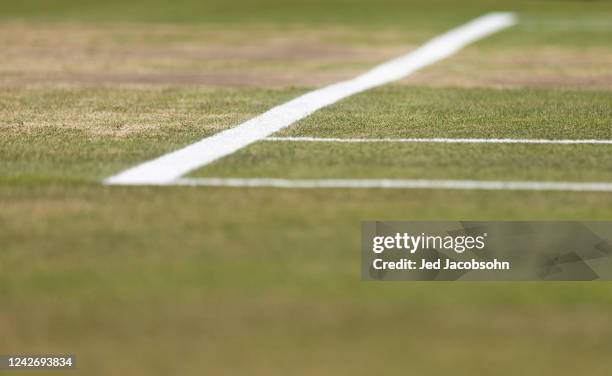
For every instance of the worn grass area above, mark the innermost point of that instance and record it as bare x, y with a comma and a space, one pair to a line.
84, 135
259, 44
266, 55
546, 50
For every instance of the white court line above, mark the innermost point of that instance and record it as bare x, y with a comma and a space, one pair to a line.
397, 184
165, 169
442, 140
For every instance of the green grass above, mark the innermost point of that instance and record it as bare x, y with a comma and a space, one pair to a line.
404, 112
228, 279
225, 279
580, 163
401, 111
194, 280
84, 135
399, 13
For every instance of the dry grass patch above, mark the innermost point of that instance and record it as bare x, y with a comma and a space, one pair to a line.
188, 55
541, 67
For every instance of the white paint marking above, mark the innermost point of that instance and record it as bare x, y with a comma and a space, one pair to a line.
173, 165
397, 184
442, 140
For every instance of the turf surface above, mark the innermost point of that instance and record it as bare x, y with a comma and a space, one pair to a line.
408, 111
180, 280
574, 163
